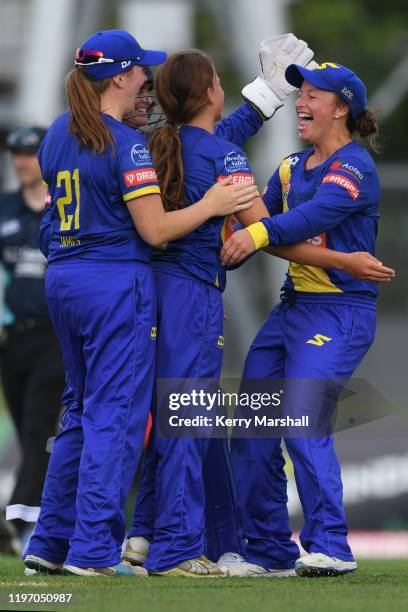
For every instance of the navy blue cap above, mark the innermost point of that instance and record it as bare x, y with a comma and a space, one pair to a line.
332, 77
25, 139
110, 52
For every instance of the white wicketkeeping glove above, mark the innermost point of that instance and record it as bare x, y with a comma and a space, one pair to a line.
269, 91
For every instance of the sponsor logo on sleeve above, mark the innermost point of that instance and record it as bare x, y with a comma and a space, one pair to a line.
238, 178
342, 181
140, 155
293, 160
134, 178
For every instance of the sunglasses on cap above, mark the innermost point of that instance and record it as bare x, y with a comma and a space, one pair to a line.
88, 57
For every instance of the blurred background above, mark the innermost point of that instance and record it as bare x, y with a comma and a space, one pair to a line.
38, 39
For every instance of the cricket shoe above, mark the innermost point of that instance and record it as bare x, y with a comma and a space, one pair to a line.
42, 566
318, 564
200, 567
238, 567
121, 569
136, 550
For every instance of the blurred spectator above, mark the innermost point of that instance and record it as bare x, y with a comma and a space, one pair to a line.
31, 365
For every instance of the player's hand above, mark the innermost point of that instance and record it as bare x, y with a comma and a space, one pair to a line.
239, 246
269, 91
226, 198
364, 266
276, 54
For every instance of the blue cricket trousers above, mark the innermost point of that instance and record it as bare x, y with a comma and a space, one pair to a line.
105, 318
281, 350
181, 477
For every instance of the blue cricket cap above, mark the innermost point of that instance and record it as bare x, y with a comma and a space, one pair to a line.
332, 77
110, 52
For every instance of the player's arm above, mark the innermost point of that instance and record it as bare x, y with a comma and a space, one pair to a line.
140, 190
240, 125
336, 199
155, 225
361, 265
267, 92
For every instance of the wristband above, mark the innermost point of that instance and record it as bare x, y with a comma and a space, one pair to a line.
259, 234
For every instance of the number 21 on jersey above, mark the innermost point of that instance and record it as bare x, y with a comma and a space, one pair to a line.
70, 182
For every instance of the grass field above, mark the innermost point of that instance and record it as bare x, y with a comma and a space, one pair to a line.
377, 585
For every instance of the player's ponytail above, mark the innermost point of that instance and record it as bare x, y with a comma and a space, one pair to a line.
85, 123
165, 146
366, 126
181, 86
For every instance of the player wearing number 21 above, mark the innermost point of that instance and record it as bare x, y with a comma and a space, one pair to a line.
104, 214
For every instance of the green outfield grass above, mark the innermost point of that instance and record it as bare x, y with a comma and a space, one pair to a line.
377, 585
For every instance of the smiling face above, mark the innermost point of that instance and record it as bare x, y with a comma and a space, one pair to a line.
144, 104
320, 113
133, 84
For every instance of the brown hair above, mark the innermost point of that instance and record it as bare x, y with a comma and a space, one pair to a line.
181, 86
366, 126
85, 123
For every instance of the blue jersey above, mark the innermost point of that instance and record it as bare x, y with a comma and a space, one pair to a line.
87, 217
208, 158
334, 205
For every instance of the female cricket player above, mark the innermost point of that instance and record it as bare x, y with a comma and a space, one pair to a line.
102, 299
329, 194
189, 158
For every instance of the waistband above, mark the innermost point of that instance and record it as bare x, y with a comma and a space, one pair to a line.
176, 270
100, 263
290, 297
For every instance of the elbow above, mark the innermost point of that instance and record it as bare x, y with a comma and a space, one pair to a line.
153, 237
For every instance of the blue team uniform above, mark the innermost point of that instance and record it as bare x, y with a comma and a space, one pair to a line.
323, 327
170, 507
102, 300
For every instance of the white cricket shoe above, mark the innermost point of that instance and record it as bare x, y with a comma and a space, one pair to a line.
239, 567
136, 550
42, 566
318, 564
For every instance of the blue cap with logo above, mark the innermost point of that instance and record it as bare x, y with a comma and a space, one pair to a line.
332, 77
110, 52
